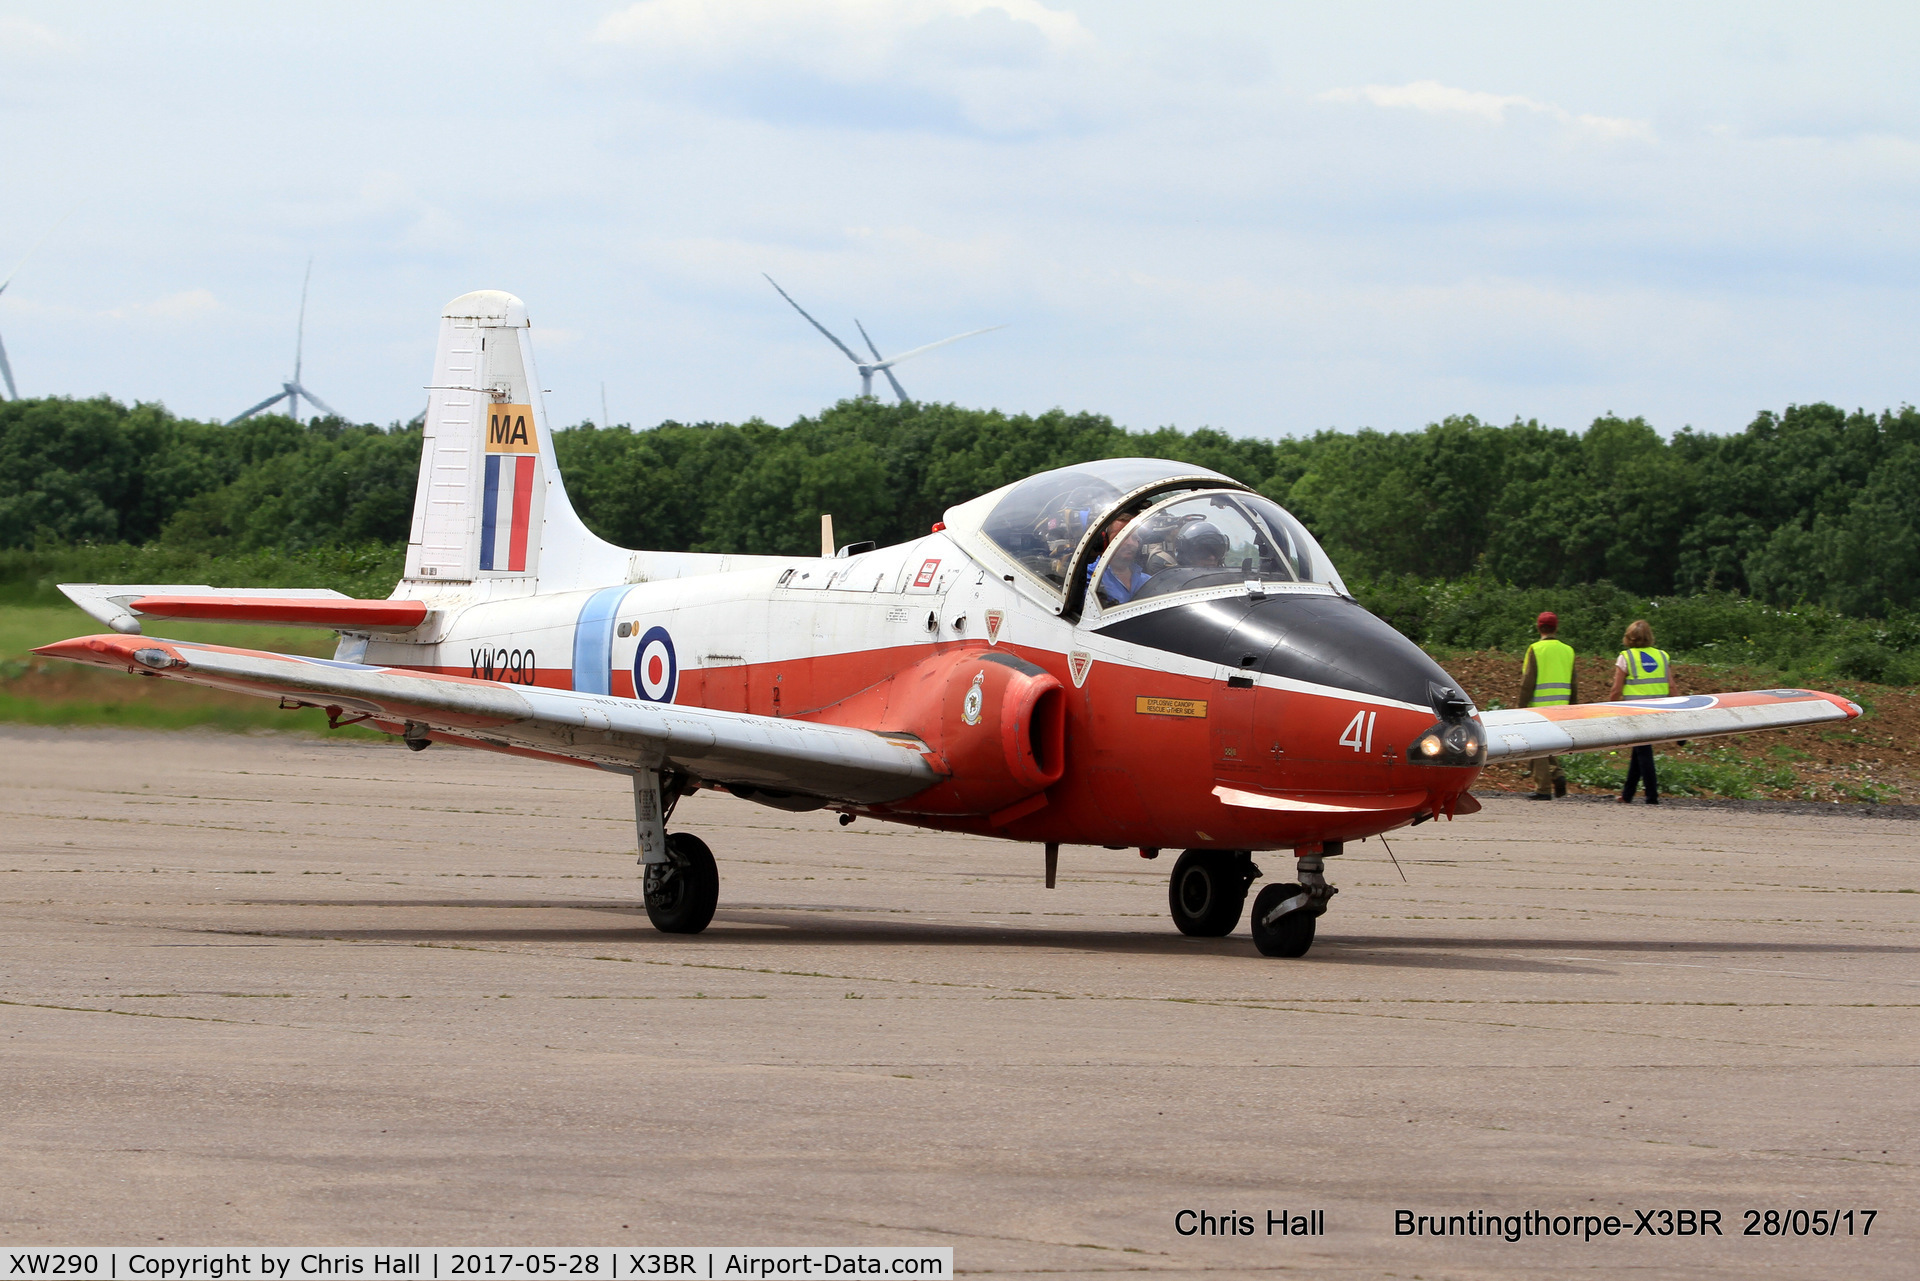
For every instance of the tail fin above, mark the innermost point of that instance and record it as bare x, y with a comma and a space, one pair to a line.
490, 507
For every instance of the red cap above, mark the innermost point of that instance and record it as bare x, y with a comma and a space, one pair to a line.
1547, 619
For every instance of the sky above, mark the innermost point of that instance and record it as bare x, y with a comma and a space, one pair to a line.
1267, 218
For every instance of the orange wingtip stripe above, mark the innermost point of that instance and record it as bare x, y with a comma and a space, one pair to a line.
1697, 702
107, 649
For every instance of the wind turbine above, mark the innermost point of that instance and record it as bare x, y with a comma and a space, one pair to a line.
6, 370
293, 391
879, 364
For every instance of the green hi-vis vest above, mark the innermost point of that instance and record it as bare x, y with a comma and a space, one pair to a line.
1646, 674
1552, 673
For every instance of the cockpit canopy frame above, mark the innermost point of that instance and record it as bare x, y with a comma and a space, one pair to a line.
1048, 525
1215, 541
1052, 525
1093, 543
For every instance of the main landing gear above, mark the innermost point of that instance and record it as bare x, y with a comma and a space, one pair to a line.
1209, 888
683, 891
680, 881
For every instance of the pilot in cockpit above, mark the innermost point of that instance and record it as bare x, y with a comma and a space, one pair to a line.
1200, 545
1123, 575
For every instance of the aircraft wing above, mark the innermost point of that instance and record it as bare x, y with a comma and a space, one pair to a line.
1518, 734
828, 761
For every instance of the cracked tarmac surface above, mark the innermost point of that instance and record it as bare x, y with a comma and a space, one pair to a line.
284, 991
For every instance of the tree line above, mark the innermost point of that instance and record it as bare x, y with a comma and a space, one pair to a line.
1809, 506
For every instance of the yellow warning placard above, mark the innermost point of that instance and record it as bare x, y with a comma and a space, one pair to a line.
510, 430
1146, 706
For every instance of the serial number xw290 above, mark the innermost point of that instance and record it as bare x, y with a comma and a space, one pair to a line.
57, 1265
513, 666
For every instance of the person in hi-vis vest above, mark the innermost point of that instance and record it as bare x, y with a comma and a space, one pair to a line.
1641, 671
1547, 680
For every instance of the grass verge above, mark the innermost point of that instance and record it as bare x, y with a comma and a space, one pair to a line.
37, 691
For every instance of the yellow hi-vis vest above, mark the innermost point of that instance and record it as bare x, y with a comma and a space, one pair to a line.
1552, 673
1646, 674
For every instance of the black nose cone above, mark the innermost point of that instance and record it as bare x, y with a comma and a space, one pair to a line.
1324, 640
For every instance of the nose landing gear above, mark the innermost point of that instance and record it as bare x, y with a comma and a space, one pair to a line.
1284, 915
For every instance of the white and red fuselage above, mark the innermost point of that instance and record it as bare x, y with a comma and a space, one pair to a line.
1078, 736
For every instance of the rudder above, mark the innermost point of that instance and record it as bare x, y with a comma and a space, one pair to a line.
490, 506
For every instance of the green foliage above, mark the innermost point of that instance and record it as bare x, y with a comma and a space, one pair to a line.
1482, 612
31, 577
95, 471
339, 485
1813, 506
1722, 773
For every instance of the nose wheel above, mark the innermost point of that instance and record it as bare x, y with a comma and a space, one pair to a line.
1284, 915
682, 892
1208, 889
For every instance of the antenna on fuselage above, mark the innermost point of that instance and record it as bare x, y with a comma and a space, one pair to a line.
1396, 862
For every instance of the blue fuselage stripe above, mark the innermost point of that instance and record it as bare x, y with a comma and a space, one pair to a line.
593, 641
489, 511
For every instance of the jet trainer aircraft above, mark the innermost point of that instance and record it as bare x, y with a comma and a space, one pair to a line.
1134, 654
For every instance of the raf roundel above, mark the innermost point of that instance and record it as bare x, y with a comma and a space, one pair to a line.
655, 670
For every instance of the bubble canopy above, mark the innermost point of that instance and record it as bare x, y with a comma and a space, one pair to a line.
1189, 542
1152, 513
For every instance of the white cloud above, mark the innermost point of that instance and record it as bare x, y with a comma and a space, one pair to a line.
22, 35
1435, 98
389, 208
848, 37
994, 64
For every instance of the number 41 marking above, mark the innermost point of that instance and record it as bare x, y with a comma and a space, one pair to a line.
1359, 732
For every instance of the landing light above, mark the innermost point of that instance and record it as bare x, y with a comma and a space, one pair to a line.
1449, 744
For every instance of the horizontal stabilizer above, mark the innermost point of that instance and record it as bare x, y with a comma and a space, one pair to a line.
832, 762
124, 607
345, 613
1518, 734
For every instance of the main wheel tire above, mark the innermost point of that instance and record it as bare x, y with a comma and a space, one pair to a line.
682, 892
1292, 934
1206, 893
